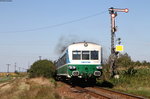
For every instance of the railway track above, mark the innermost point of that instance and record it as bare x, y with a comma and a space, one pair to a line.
110, 94
103, 93
91, 93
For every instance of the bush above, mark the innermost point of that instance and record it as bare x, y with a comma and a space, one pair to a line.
44, 68
124, 60
16, 72
131, 71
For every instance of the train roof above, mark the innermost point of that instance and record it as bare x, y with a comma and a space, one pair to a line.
84, 42
75, 43
81, 43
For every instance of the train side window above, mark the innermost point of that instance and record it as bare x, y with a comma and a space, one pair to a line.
85, 55
63, 59
76, 55
94, 55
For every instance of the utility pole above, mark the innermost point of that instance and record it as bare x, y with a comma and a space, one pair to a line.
19, 69
113, 56
8, 69
40, 57
15, 67
28, 65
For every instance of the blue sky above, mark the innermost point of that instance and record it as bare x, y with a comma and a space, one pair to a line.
25, 47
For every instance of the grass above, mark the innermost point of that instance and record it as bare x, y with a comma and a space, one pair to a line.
5, 79
10, 77
23, 88
142, 92
39, 92
137, 83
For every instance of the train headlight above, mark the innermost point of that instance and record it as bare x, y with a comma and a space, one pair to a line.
72, 67
99, 67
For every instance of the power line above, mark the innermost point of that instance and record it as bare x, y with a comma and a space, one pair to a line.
56, 25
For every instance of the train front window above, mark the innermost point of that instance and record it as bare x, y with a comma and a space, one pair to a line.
85, 55
76, 55
94, 55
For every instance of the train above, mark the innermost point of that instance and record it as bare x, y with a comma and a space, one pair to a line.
81, 61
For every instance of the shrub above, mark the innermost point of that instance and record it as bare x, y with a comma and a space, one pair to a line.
124, 60
44, 68
16, 72
131, 71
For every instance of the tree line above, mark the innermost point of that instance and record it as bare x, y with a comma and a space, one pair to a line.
46, 68
124, 60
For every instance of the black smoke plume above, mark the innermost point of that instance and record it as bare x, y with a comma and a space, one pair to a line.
64, 42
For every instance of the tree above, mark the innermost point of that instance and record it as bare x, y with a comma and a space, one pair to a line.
124, 60
138, 63
44, 68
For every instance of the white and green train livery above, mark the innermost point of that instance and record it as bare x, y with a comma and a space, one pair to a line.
80, 60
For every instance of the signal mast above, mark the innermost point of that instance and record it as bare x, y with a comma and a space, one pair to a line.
113, 56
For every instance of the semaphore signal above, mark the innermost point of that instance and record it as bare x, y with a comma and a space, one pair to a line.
113, 56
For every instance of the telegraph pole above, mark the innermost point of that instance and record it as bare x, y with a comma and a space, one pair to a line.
113, 56
8, 69
28, 65
19, 69
15, 67
40, 57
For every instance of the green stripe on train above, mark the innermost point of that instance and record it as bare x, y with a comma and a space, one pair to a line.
84, 69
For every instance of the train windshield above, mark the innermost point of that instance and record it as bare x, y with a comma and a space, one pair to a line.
94, 55
85, 55
76, 55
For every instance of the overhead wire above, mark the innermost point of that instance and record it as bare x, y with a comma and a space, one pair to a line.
57, 25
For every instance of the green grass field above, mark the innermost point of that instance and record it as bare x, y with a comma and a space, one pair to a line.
137, 83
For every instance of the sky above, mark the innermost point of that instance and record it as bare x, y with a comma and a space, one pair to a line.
33, 28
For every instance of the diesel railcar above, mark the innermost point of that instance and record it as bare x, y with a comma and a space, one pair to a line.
80, 60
